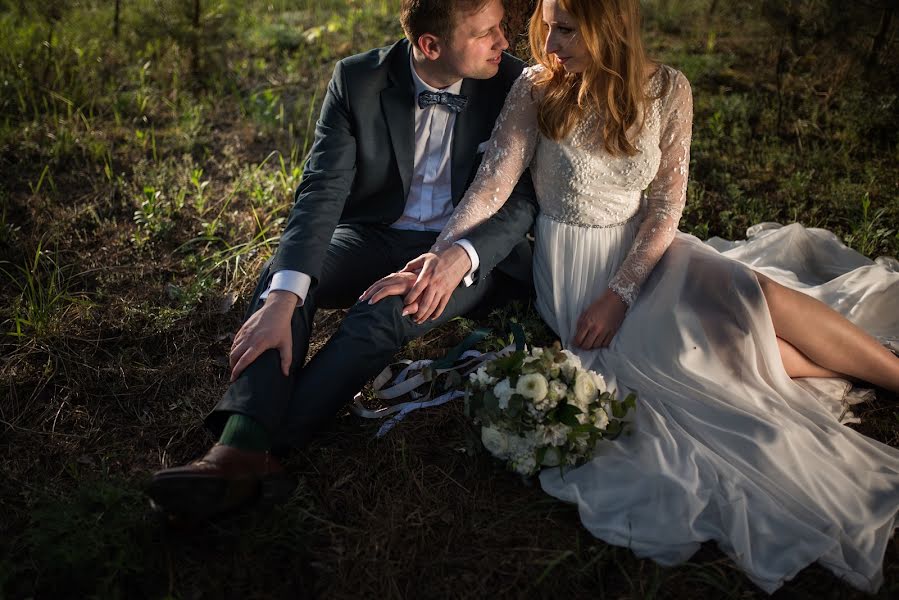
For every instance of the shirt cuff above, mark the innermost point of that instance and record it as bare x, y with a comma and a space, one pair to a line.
468, 280
291, 281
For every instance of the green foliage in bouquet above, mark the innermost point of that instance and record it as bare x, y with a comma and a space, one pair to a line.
541, 408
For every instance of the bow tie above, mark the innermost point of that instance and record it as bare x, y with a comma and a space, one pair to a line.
454, 102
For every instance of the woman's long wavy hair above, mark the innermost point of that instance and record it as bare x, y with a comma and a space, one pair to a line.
614, 85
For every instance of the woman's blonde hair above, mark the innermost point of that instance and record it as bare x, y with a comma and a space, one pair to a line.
613, 85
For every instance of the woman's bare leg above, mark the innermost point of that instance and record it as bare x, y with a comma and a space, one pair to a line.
826, 338
798, 364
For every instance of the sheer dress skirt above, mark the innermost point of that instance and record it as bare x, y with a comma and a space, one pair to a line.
725, 446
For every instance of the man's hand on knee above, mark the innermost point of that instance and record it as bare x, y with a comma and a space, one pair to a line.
267, 328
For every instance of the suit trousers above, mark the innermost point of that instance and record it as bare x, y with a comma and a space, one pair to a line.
295, 408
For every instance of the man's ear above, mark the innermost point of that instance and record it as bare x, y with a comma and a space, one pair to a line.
430, 45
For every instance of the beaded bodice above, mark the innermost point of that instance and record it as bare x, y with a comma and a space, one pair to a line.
578, 182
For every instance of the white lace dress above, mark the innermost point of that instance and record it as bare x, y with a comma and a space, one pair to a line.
725, 446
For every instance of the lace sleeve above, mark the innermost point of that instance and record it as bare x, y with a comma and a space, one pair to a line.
508, 154
666, 195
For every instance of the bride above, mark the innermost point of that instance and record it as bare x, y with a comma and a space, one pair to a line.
726, 446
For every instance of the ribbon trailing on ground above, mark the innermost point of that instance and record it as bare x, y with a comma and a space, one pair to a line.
461, 359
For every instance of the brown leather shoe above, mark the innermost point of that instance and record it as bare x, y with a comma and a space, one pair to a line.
224, 480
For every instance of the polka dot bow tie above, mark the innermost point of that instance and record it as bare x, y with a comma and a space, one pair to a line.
454, 102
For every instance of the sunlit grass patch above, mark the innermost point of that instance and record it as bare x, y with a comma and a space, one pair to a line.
45, 295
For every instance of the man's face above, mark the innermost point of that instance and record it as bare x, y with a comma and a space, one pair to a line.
475, 47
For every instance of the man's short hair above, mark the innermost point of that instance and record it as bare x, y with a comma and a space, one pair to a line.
437, 17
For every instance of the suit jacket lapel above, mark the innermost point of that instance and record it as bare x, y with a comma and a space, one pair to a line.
397, 102
465, 138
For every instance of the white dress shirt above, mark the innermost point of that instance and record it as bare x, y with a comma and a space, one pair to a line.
430, 202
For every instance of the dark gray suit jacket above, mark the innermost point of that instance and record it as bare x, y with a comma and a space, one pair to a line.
360, 167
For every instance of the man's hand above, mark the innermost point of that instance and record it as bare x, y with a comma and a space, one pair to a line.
427, 281
268, 327
395, 284
599, 323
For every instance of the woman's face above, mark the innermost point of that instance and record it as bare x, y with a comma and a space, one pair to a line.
563, 39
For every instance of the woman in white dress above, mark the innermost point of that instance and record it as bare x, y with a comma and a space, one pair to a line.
725, 445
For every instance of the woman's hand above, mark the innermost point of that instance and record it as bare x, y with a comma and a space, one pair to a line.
600, 322
434, 277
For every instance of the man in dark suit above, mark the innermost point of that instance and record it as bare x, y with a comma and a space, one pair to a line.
397, 143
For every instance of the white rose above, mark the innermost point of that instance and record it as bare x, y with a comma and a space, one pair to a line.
572, 359
598, 381
495, 441
600, 418
533, 386
584, 390
503, 392
571, 365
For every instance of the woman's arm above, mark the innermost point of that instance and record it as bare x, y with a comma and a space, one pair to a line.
666, 197
509, 153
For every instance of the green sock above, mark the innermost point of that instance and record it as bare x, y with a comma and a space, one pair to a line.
245, 433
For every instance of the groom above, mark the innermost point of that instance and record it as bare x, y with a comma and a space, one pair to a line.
398, 141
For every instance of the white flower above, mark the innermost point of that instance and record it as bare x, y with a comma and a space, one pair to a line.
525, 465
533, 386
535, 412
571, 365
572, 359
552, 457
503, 392
584, 390
554, 435
537, 351
522, 445
495, 441
598, 381
600, 418
481, 378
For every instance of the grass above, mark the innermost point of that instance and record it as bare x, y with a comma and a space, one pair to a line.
146, 178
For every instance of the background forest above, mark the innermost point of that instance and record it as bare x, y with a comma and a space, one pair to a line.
149, 150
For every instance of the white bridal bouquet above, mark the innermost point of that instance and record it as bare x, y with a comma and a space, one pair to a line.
541, 408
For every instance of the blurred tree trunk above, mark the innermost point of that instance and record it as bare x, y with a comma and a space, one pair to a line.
880, 38
115, 22
195, 42
518, 13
